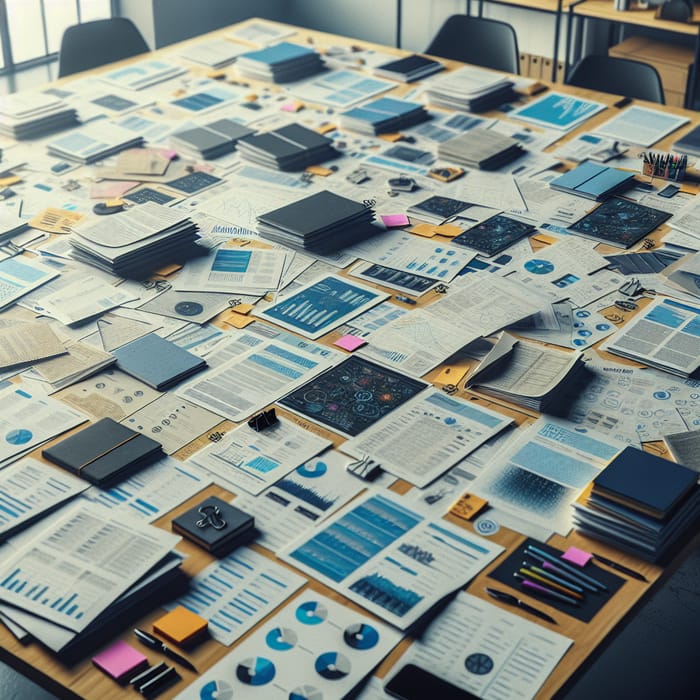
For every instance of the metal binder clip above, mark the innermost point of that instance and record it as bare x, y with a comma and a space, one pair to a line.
263, 420
365, 468
212, 516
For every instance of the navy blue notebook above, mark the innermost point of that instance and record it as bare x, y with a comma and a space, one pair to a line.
644, 482
157, 361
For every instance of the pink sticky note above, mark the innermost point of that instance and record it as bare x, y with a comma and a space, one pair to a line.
168, 153
119, 660
577, 556
394, 220
350, 342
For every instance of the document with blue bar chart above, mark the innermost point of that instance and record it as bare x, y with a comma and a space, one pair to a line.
390, 559
236, 592
78, 567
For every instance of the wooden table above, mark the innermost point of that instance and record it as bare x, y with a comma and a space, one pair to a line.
86, 682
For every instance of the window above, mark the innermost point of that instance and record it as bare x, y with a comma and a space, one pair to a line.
31, 30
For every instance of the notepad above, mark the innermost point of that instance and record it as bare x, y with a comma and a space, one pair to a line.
157, 362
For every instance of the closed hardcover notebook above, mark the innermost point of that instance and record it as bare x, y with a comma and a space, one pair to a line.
593, 181
156, 361
645, 482
104, 452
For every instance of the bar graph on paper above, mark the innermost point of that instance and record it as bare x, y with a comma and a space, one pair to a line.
235, 593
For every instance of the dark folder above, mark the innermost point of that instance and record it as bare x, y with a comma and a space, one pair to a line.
105, 452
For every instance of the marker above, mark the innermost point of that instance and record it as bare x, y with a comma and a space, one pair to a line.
556, 579
548, 566
544, 581
405, 300
567, 567
619, 567
532, 586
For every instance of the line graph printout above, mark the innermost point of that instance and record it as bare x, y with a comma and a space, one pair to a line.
390, 559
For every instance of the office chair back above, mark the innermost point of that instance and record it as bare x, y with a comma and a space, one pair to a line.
97, 43
482, 42
619, 76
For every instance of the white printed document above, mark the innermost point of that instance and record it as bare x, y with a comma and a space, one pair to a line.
252, 461
390, 559
488, 651
426, 436
74, 570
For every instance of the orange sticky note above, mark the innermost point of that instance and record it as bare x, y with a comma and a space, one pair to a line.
243, 308
391, 138
468, 506
326, 128
319, 170
167, 269
10, 180
449, 230
181, 625
238, 320
425, 230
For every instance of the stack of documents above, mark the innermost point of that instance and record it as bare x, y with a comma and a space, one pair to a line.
409, 68
215, 53
137, 241
281, 63
93, 142
470, 89
211, 140
384, 115
137, 76
10, 223
641, 503
322, 222
530, 375
481, 148
94, 574
291, 147
33, 115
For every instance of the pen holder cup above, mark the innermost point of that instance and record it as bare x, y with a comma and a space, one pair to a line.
667, 166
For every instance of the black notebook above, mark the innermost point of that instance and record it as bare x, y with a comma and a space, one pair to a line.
215, 525
410, 68
105, 452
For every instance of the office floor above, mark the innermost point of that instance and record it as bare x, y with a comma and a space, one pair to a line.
655, 656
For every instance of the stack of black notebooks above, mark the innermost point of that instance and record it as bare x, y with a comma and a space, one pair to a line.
292, 147
640, 503
384, 115
481, 148
211, 140
281, 63
409, 68
157, 236
323, 223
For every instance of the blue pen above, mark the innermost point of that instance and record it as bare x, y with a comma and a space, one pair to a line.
567, 567
561, 572
556, 579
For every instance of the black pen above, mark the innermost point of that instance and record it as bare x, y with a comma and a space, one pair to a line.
512, 600
150, 641
619, 567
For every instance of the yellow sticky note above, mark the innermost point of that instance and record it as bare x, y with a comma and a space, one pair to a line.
319, 170
545, 238
168, 269
326, 128
54, 220
425, 230
237, 320
243, 308
10, 180
449, 230
468, 506
392, 138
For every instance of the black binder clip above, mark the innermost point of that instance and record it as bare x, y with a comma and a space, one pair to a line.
263, 420
365, 468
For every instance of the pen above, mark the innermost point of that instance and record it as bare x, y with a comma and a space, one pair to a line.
556, 579
548, 566
567, 567
543, 581
536, 588
405, 300
512, 600
619, 567
150, 641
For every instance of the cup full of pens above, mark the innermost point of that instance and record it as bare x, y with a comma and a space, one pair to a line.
667, 166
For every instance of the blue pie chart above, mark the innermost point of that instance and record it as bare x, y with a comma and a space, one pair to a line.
19, 436
332, 666
255, 671
306, 692
313, 469
281, 639
361, 636
539, 267
311, 613
216, 690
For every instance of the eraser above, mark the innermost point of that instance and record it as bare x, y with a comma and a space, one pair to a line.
576, 556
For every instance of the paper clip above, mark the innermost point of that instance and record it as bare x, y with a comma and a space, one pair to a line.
365, 468
264, 419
